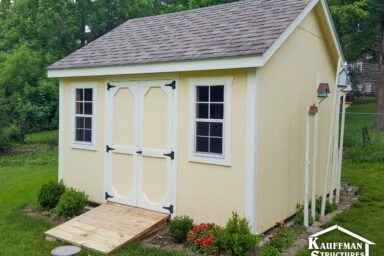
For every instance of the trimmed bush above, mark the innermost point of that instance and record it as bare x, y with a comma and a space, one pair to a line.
71, 203
237, 238
269, 251
50, 193
179, 227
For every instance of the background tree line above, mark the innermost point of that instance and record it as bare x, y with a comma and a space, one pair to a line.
36, 33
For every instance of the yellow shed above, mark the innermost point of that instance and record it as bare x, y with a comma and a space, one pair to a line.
203, 112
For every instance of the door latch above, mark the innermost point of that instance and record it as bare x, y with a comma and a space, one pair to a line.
109, 86
139, 152
107, 196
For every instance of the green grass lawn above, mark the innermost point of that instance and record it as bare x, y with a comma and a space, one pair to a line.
22, 172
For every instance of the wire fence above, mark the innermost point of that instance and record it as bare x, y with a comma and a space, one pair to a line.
362, 142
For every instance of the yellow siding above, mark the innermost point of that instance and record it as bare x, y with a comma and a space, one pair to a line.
84, 169
211, 192
198, 184
288, 87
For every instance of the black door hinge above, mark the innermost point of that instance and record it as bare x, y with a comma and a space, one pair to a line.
169, 208
172, 84
108, 148
171, 155
109, 86
107, 196
139, 152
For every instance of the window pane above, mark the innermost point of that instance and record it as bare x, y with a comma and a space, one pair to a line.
217, 111
202, 93
79, 134
88, 122
88, 135
79, 94
202, 128
88, 108
79, 122
88, 94
79, 108
217, 93
216, 129
216, 145
202, 144
202, 110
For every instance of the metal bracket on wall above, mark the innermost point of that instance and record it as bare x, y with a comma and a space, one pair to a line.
169, 208
171, 155
109, 86
108, 148
107, 196
172, 84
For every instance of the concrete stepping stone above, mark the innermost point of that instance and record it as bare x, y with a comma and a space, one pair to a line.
66, 250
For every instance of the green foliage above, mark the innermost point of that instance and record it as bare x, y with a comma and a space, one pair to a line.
182, 5
269, 250
50, 193
179, 227
329, 207
298, 220
282, 237
357, 24
71, 203
237, 238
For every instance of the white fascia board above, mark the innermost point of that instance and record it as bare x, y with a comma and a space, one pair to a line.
173, 66
333, 29
290, 29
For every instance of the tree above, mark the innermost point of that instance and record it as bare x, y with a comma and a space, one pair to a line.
360, 25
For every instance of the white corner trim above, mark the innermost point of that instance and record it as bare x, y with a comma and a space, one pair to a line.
60, 174
251, 146
84, 145
206, 158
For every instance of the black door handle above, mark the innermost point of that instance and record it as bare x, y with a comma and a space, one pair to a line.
139, 152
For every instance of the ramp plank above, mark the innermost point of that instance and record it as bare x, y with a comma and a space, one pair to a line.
108, 227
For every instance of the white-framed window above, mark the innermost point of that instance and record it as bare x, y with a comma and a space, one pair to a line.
210, 106
84, 106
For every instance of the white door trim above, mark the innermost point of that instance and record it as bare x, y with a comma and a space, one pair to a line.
173, 136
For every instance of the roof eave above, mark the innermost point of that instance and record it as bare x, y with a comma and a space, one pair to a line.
162, 67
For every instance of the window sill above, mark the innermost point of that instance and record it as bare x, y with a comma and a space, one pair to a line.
83, 146
210, 160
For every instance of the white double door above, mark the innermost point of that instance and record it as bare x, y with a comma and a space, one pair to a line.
139, 143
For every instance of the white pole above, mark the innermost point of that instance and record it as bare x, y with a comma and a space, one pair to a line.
335, 151
314, 163
306, 172
341, 150
327, 170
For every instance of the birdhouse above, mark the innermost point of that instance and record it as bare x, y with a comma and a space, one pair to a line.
344, 79
323, 90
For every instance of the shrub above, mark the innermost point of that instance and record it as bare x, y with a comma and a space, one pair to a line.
203, 238
49, 194
328, 206
298, 220
71, 203
237, 238
282, 237
268, 250
179, 227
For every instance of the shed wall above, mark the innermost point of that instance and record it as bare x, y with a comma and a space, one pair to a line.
288, 84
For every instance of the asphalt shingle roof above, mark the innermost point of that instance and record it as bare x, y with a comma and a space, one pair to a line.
247, 27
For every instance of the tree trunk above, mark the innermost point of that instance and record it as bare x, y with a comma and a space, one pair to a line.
379, 124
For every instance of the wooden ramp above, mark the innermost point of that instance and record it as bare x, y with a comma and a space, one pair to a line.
108, 227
